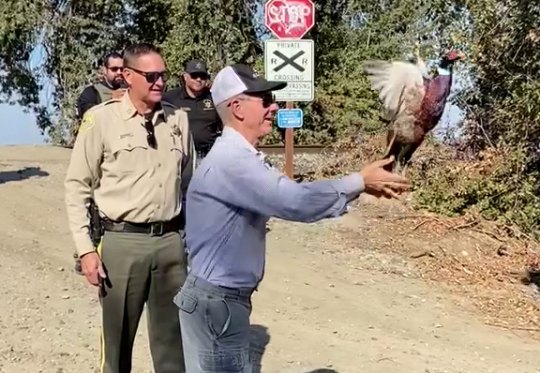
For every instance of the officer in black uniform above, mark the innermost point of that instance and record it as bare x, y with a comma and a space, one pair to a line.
194, 96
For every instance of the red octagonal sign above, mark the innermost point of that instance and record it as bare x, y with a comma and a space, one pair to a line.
289, 19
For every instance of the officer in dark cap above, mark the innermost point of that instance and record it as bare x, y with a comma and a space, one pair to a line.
194, 96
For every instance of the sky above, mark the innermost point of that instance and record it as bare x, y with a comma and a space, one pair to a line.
16, 126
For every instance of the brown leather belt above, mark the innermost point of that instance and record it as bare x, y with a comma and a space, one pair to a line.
153, 229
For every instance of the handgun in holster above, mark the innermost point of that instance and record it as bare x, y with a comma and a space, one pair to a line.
96, 224
96, 231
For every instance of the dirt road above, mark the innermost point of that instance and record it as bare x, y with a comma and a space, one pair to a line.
324, 306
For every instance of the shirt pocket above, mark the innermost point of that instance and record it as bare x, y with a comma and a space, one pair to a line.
130, 155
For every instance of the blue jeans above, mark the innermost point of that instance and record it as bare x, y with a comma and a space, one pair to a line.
215, 327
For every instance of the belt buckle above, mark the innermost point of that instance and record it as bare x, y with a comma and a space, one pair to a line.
156, 229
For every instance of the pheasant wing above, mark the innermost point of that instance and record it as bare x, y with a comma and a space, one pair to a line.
400, 86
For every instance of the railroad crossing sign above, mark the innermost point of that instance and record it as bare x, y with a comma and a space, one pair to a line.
290, 118
289, 18
291, 61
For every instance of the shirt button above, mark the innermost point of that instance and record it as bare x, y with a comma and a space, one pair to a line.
158, 207
159, 164
160, 185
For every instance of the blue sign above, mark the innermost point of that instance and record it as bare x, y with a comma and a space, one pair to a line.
290, 118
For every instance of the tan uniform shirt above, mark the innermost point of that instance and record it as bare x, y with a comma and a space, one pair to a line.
129, 180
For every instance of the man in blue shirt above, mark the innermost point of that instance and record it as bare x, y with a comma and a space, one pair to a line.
231, 196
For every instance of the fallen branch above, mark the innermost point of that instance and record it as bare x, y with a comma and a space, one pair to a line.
424, 222
422, 254
489, 234
466, 225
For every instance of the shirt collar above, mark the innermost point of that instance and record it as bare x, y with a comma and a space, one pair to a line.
229, 132
129, 111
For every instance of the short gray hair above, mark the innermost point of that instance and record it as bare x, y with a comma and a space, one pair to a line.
222, 111
222, 108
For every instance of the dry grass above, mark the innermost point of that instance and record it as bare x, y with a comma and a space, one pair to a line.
490, 267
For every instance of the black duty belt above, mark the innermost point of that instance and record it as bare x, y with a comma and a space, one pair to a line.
153, 229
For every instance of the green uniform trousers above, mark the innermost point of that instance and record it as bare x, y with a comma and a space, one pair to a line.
141, 269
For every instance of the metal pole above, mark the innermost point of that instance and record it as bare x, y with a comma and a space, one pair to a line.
289, 147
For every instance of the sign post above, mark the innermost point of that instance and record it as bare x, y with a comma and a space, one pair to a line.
290, 59
289, 118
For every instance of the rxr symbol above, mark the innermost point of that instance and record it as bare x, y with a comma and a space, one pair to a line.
289, 61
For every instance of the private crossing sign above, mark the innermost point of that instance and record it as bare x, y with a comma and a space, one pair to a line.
291, 61
290, 118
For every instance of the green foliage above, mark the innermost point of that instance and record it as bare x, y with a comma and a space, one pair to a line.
506, 57
220, 33
496, 186
20, 22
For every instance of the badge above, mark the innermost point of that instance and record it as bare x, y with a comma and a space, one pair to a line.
207, 104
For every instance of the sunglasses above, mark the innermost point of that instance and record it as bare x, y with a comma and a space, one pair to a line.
267, 99
115, 69
150, 135
151, 76
196, 76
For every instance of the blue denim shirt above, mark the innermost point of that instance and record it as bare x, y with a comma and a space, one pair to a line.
231, 196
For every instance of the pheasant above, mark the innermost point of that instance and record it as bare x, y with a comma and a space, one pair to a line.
413, 103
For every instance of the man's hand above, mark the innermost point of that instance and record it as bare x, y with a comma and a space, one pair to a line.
92, 268
118, 93
381, 183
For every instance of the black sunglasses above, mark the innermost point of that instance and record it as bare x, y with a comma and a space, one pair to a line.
116, 68
151, 76
150, 136
196, 76
267, 99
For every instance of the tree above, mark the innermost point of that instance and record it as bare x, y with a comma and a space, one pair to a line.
218, 32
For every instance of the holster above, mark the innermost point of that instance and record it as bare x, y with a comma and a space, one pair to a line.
96, 224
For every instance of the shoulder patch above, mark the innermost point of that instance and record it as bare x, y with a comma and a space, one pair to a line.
88, 121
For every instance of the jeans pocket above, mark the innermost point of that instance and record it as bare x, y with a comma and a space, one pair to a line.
218, 316
222, 360
186, 302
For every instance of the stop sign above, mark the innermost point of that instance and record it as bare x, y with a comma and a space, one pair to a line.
289, 19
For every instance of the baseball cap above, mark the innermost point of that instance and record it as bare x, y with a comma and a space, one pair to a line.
238, 78
196, 66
